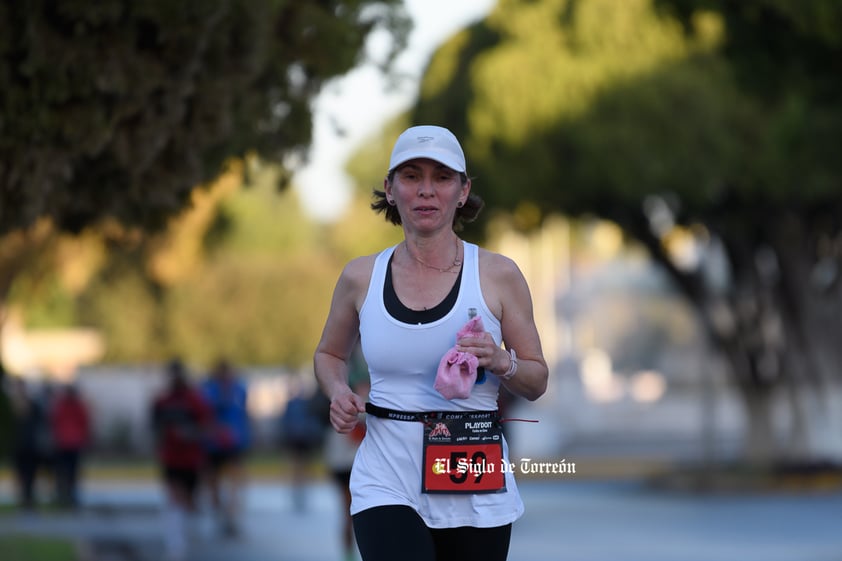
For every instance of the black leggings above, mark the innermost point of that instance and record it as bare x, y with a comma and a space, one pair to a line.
386, 533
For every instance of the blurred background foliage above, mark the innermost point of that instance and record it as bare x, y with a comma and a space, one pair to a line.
709, 131
154, 97
144, 151
243, 274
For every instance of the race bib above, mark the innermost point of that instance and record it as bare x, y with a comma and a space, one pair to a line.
463, 453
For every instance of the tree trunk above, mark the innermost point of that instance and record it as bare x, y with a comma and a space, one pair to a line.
761, 447
734, 320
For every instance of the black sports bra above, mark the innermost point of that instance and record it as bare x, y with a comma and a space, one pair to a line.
401, 313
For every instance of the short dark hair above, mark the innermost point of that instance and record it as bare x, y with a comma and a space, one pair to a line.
177, 372
464, 214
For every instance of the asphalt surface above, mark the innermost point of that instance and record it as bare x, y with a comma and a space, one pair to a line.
566, 518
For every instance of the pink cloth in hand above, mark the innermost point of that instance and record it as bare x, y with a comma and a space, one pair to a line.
457, 371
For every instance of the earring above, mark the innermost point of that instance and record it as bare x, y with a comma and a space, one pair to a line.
391, 202
459, 204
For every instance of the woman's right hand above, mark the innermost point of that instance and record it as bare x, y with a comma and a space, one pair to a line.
344, 411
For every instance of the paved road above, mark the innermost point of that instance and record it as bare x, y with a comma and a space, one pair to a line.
575, 520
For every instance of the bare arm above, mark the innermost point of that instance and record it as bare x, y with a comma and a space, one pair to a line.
508, 294
339, 336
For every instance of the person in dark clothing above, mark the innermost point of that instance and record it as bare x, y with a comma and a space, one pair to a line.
302, 435
71, 432
6, 417
181, 421
28, 422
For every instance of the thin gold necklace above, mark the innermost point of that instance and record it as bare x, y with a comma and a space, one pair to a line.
456, 261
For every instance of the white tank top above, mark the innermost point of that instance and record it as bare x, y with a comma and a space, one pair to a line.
402, 360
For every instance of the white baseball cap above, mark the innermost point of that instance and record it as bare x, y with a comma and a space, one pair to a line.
428, 141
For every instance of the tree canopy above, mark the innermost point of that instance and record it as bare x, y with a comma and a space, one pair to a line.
118, 109
702, 128
117, 116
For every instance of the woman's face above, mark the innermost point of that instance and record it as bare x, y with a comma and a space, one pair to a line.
427, 193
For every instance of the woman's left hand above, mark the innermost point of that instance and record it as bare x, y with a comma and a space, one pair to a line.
488, 353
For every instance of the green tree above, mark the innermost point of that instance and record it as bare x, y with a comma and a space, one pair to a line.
113, 112
709, 131
118, 109
262, 293
242, 274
